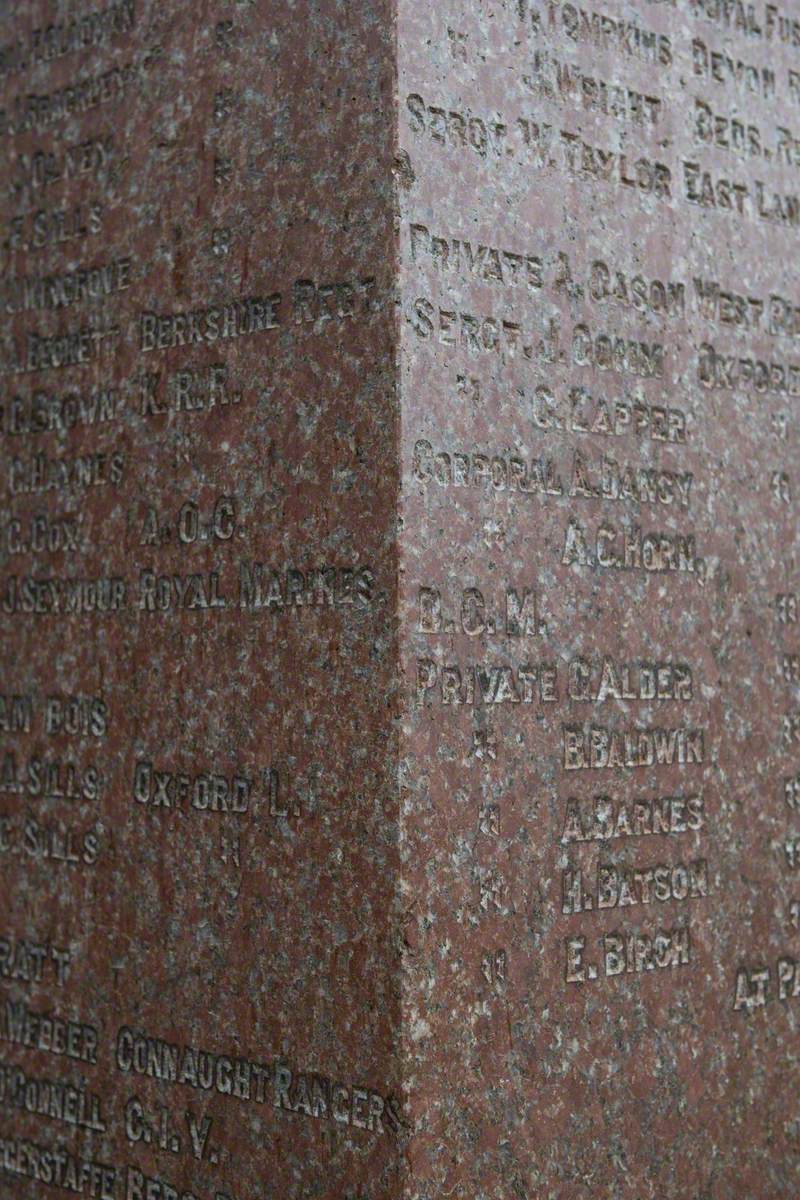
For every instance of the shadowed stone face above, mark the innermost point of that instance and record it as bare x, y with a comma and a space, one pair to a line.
198, 813
399, 711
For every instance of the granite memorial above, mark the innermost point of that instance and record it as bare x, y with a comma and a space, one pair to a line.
399, 600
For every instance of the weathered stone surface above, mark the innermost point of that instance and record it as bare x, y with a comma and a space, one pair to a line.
230, 824
398, 600
599, 382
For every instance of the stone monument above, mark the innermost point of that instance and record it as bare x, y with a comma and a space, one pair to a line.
400, 707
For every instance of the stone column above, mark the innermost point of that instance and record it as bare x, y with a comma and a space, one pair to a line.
400, 717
